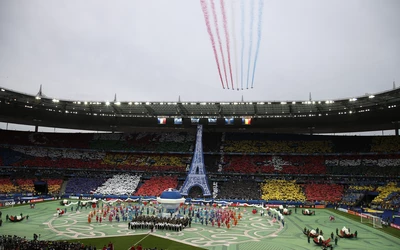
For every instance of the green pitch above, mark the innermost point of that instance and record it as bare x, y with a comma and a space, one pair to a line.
253, 232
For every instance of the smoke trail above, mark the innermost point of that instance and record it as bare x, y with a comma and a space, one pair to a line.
242, 38
260, 14
251, 39
227, 39
207, 19
234, 41
219, 40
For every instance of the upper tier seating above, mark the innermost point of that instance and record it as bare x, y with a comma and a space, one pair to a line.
211, 141
76, 159
269, 143
58, 140
386, 144
184, 142
161, 142
275, 164
367, 165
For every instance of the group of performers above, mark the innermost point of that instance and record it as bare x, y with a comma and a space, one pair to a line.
318, 238
163, 223
141, 216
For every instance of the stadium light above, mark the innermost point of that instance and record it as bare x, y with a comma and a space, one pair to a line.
371, 96
107, 103
2, 90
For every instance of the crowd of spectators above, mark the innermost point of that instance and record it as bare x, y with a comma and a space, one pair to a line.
6, 186
9, 242
282, 190
239, 189
83, 185
159, 142
384, 192
246, 154
53, 185
292, 164
119, 184
324, 192
267, 143
183, 141
146, 162
156, 185
25, 185
367, 165
385, 144
354, 193
156, 141
393, 199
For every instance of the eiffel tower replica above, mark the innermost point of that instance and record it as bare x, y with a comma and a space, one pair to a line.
197, 173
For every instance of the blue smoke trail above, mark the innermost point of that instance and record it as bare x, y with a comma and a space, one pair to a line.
251, 39
242, 37
260, 13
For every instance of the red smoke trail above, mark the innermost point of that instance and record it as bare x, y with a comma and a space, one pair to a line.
219, 40
227, 39
207, 19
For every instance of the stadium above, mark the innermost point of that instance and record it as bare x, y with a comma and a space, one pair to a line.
246, 166
193, 165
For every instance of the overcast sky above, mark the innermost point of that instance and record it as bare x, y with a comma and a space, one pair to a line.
157, 50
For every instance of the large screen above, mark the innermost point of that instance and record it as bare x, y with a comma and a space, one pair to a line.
246, 121
177, 121
194, 120
229, 121
212, 121
162, 120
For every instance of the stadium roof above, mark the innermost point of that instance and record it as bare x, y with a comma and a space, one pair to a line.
371, 112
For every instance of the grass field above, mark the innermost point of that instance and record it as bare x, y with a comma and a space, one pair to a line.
253, 232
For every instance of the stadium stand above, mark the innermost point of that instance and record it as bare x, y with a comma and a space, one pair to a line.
119, 184
156, 185
281, 190
324, 192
